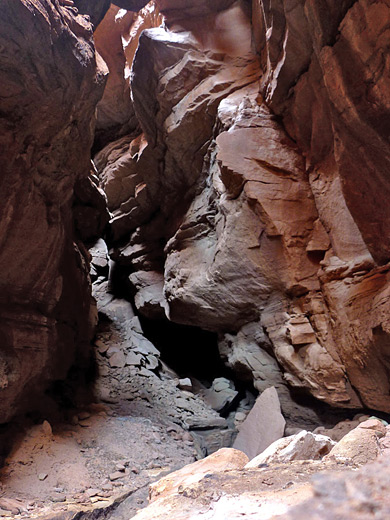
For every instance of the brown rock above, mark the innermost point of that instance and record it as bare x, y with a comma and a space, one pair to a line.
316, 85
46, 130
358, 447
12, 505
116, 475
374, 424
117, 360
116, 41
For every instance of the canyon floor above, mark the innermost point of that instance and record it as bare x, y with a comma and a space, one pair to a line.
99, 446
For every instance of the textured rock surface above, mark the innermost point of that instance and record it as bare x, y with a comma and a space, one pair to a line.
284, 492
264, 425
225, 459
322, 85
277, 489
243, 199
263, 217
48, 93
302, 446
116, 40
361, 445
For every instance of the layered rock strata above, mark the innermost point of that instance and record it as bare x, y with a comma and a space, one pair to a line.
243, 205
244, 157
50, 85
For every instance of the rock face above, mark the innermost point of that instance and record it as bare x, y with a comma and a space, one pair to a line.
243, 150
247, 203
328, 86
116, 40
49, 88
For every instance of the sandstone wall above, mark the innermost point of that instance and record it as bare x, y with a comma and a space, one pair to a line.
243, 149
48, 92
253, 201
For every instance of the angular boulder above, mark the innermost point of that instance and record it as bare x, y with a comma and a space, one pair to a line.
263, 425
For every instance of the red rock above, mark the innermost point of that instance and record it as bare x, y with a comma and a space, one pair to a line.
49, 89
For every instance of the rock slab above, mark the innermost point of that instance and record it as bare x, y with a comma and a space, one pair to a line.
263, 425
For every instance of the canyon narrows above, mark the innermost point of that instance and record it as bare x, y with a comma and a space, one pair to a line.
194, 244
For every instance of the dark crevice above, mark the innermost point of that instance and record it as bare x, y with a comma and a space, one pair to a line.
189, 351
193, 353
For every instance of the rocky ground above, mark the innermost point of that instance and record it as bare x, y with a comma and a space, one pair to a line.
96, 452
102, 444
138, 421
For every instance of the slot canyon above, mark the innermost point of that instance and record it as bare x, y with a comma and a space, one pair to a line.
195, 267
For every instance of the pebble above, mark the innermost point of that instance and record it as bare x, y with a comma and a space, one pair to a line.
221, 383
153, 465
117, 360
98, 499
134, 359
92, 492
102, 347
152, 362
134, 470
42, 476
58, 497
80, 498
86, 423
116, 475
120, 467
83, 415
47, 429
240, 416
185, 384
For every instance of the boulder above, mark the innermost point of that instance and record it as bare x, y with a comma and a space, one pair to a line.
360, 445
263, 425
224, 459
302, 446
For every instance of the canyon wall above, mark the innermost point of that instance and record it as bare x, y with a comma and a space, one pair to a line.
243, 150
252, 200
50, 85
